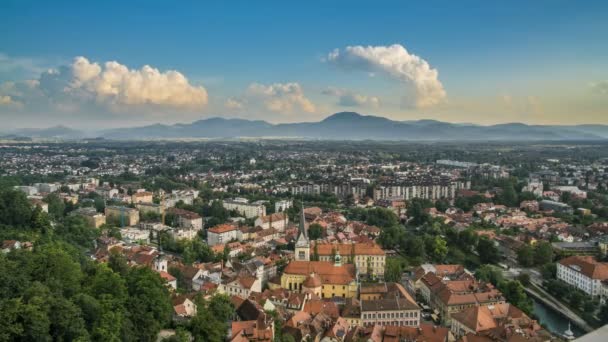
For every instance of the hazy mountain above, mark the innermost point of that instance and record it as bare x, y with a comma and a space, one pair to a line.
344, 125
60, 132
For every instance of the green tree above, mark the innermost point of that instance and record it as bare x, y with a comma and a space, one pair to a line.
394, 269
148, 305
525, 256
515, 294
543, 253
315, 231
416, 211
56, 206
15, 209
436, 247
489, 273
488, 253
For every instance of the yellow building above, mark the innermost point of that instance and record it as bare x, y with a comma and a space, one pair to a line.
369, 257
142, 197
323, 278
122, 215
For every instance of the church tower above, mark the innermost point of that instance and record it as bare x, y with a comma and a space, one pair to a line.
302, 244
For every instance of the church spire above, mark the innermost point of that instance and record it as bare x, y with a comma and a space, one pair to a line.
302, 243
302, 227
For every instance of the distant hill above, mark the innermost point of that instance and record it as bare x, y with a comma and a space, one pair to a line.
61, 132
342, 126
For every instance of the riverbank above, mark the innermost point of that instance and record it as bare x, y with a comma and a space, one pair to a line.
549, 301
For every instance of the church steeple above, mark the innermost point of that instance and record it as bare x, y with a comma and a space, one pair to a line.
302, 243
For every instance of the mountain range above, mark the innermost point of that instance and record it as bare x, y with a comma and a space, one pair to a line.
339, 126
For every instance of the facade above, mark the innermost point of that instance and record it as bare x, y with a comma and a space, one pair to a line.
282, 205
323, 278
187, 219
584, 273
558, 207
369, 258
398, 311
142, 197
91, 216
479, 319
243, 207
221, 234
427, 189
449, 297
277, 221
149, 207
123, 216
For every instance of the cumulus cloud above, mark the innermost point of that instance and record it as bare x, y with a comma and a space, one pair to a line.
233, 103
280, 97
6, 100
348, 98
118, 84
600, 87
396, 62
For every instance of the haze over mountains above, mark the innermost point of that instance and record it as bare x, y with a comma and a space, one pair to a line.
339, 126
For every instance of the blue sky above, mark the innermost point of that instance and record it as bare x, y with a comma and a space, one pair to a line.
528, 61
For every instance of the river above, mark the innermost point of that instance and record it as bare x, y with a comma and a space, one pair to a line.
552, 320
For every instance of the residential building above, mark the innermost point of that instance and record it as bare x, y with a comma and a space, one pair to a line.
123, 216
142, 197
243, 207
277, 221
585, 273
91, 216
187, 219
398, 311
221, 234
557, 207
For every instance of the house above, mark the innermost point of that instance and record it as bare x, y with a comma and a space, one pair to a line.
222, 234
277, 221
584, 273
39, 203
478, 319
422, 333
183, 306
187, 219
255, 330
142, 197
170, 280
9, 245
449, 297
241, 286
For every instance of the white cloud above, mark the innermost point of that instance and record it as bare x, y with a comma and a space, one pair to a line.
233, 103
280, 97
348, 98
600, 87
6, 100
396, 62
120, 85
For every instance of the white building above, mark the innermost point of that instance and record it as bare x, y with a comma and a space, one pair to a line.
131, 234
221, 234
277, 221
282, 205
584, 273
243, 207
390, 311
